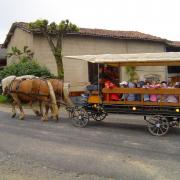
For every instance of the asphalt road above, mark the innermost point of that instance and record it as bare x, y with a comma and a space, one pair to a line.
118, 148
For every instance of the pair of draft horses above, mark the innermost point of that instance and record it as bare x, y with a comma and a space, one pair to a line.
49, 93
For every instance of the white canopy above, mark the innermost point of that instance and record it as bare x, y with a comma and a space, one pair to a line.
140, 59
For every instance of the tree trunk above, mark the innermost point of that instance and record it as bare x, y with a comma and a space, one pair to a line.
60, 68
59, 56
57, 52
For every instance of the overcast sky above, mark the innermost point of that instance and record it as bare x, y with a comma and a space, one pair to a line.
156, 17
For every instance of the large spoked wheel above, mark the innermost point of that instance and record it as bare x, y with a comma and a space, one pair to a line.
99, 115
158, 125
80, 117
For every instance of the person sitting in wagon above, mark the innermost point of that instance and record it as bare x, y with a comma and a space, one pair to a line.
123, 84
112, 96
154, 85
163, 98
146, 96
171, 97
128, 97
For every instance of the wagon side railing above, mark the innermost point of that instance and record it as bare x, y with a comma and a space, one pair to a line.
142, 91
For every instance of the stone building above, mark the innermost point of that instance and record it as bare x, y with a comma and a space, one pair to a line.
89, 41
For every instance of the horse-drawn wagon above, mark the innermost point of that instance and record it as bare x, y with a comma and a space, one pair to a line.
160, 115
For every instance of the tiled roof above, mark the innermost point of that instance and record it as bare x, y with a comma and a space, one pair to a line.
105, 33
119, 34
101, 33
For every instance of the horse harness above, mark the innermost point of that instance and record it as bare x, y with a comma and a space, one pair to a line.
33, 95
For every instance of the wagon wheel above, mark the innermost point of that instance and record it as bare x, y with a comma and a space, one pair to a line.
99, 115
80, 117
158, 125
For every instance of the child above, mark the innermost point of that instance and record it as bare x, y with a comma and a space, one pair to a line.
153, 97
164, 97
146, 96
172, 98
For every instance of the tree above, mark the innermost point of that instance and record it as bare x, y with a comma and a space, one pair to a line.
58, 31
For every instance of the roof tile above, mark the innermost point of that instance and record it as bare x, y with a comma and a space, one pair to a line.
97, 33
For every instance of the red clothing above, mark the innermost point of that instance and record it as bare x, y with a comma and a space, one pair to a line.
110, 85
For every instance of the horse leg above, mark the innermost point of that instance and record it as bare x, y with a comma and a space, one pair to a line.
58, 105
36, 112
40, 108
17, 101
13, 109
44, 115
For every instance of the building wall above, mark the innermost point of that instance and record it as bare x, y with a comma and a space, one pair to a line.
43, 53
76, 72
36, 44
145, 47
19, 39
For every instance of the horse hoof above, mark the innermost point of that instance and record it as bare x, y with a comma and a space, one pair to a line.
21, 118
37, 113
44, 119
57, 118
14, 115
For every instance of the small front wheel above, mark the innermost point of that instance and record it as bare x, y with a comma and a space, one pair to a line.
98, 114
80, 117
158, 125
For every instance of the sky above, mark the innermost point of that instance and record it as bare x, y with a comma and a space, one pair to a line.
155, 17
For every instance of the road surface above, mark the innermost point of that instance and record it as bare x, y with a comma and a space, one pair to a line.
118, 148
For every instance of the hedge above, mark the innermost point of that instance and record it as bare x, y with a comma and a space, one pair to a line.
25, 67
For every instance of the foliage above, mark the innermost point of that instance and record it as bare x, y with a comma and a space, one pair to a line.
58, 31
25, 67
25, 54
131, 71
4, 99
63, 27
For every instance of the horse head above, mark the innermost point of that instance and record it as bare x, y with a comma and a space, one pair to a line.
6, 82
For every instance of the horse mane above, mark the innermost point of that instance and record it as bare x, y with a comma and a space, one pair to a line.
7, 81
26, 77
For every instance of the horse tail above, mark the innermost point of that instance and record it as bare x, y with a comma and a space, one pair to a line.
66, 94
53, 99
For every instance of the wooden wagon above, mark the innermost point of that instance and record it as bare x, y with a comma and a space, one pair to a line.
160, 116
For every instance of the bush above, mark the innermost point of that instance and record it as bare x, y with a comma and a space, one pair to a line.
4, 99
25, 67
